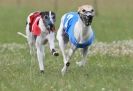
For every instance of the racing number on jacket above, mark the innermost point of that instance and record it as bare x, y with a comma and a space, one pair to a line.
68, 18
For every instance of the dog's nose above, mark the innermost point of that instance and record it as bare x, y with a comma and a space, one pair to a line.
90, 16
51, 27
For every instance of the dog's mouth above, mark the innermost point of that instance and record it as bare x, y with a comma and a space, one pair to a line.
50, 27
87, 16
87, 20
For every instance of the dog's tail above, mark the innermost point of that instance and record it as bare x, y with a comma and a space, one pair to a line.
19, 33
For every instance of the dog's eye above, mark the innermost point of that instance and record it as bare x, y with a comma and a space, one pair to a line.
92, 10
83, 10
53, 17
46, 17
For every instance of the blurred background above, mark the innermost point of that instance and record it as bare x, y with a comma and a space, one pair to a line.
113, 19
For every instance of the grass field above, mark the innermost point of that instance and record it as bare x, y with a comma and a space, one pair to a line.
110, 63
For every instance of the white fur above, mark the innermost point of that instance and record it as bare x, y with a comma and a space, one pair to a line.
82, 34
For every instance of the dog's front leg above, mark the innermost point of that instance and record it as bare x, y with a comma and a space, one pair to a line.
70, 53
67, 58
83, 58
62, 44
51, 38
62, 48
40, 53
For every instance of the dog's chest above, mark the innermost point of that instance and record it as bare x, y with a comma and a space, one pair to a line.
79, 31
84, 34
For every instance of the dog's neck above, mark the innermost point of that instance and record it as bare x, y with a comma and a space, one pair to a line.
83, 32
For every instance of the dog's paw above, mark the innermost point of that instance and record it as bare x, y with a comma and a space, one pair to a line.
63, 71
42, 71
55, 53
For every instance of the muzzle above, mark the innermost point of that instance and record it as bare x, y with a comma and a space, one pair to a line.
86, 18
49, 25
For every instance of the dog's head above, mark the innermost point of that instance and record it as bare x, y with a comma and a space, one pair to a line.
49, 19
86, 13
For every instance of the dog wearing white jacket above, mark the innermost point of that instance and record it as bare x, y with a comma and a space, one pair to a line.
40, 29
75, 28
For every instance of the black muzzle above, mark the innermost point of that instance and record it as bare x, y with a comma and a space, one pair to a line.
50, 27
87, 20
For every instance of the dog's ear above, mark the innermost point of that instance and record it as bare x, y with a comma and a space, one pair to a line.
53, 13
82, 9
53, 16
44, 13
79, 10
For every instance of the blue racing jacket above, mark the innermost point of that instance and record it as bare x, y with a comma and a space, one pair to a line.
69, 24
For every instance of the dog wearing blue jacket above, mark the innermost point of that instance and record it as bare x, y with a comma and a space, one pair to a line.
75, 28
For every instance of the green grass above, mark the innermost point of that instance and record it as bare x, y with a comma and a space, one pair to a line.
20, 72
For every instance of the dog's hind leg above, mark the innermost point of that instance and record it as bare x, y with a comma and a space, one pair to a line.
83, 58
31, 43
40, 53
30, 39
